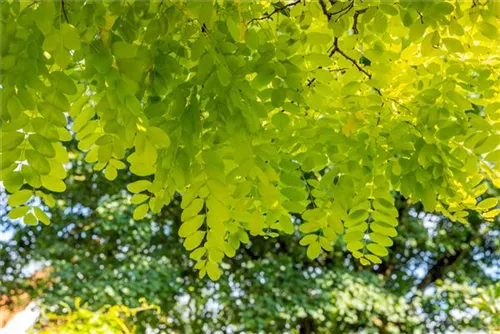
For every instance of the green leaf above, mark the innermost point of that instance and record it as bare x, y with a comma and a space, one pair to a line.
10, 140
381, 239
353, 236
42, 145
30, 219
139, 198
192, 209
488, 30
494, 156
42, 216
319, 38
388, 9
19, 197
18, 212
223, 75
158, 137
70, 37
38, 162
325, 244
194, 240
309, 227
384, 230
308, 239
110, 172
140, 211
373, 258
123, 50
48, 199
294, 194
377, 249
278, 97
63, 83
198, 253
487, 203
53, 184
448, 132
459, 100
453, 45
364, 262
139, 186
313, 250
213, 270
314, 214
234, 30
191, 226
354, 246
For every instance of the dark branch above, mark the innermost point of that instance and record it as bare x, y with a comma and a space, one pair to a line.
341, 69
421, 17
355, 63
355, 17
63, 9
310, 82
443, 265
325, 11
276, 10
476, 3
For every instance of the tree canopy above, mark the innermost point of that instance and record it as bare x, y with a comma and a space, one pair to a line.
258, 115
93, 251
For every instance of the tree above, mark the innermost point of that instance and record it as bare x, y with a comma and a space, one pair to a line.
97, 252
254, 112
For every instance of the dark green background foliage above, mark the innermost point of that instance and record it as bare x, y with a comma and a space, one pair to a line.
96, 251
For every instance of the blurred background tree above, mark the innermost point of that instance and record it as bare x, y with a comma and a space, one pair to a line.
437, 278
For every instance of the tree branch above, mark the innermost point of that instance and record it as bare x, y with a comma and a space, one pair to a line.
444, 264
276, 10
310, 82
325, 11
63, 9
355, 63
355, 17
421, 17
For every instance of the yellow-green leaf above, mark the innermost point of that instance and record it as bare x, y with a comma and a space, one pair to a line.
18, 212
487, 203
313, 250
19, 197
42, 216
194, 240
53, 184
213, 270
140, 211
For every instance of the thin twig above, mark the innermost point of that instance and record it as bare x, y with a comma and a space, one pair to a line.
338, 69
63, 8
344, 10
421, 17
276, 10
325, 11
355, 63
355, 17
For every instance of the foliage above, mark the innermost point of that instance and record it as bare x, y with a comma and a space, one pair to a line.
256, 113
488, 300
96, 251
109, 319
